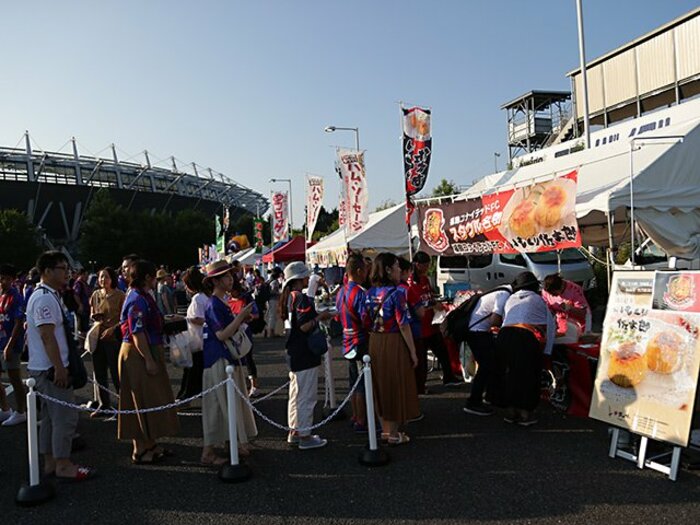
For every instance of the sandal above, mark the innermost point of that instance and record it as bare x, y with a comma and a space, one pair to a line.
215, 461
399, 439
139, 459
81, 474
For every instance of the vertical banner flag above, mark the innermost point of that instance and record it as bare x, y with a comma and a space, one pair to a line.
258, 234
314, 200
220, 234
417, 150
352, 169
280, 216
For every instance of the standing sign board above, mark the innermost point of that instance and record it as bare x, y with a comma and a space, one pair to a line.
650, 355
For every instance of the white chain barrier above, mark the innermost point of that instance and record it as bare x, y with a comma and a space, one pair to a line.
268, 396
306, 429
134, 412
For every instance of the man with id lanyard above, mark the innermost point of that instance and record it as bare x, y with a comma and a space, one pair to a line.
48, 362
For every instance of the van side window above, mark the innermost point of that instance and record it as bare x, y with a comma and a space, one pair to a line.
480, 261
513, 258
457, 262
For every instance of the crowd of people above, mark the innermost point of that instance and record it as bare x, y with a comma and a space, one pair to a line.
385, 306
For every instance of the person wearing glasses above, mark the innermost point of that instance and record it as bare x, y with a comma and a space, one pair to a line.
48, 332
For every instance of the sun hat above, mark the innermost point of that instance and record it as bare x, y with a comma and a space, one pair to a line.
161, 274
216, 268
293, 271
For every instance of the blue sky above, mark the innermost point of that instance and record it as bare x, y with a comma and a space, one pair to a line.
247, 87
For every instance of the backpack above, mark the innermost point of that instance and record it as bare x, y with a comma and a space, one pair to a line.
263, 294
456, 324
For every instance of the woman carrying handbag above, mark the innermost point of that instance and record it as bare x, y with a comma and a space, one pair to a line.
220, 326
303, 363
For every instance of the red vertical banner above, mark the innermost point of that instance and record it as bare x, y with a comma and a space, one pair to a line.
280, 219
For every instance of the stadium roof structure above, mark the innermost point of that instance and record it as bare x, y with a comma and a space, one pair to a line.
55, 188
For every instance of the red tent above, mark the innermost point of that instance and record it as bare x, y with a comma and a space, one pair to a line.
294, 250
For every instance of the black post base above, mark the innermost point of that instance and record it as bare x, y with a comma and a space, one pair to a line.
235, 473
32, 495
374, 458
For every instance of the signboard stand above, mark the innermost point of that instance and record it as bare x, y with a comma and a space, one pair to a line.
668, 468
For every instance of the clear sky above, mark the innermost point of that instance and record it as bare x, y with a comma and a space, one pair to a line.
247, 87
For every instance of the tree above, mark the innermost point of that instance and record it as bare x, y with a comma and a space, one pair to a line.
19, 238
385, 205
109, 231
445, 188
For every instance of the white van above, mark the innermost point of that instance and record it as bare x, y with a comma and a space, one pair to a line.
650, 257
483, 272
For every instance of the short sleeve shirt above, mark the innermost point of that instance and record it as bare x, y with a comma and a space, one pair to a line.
217, 316
299, 357
387, 309
424, 288
238, 303
11, 310
196, 310
489, 303
414, 301
140, 314
45, 308
351, 304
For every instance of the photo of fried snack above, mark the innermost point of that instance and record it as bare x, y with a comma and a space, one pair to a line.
680, 289
522, 220
665, 352
627, 367
550, 206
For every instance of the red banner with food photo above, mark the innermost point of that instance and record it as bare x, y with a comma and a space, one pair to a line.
535, 218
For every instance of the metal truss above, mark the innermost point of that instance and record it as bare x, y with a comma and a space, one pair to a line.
24, 165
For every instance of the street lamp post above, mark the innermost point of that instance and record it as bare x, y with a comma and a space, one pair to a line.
331, 129
291, 214
495, 162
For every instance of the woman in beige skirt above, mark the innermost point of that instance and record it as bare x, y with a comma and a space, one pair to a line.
392, 349
220, 325
144, 381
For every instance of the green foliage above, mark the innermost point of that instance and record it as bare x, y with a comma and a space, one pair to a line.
109, 232
385, 205
445, 188
19, 239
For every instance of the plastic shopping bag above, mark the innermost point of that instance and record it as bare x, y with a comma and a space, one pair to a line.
180, 353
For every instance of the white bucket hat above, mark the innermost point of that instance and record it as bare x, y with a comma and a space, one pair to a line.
293, 271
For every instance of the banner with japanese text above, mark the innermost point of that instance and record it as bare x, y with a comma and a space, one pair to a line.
314, 200
258, 225
417, 151
650, 355
354, 181
536, 218
280, 216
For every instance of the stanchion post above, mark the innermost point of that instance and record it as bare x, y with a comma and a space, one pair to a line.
234, 472
37, 492
373, 456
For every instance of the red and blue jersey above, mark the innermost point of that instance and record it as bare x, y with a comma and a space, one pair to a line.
351, 305
11, 310
414, 301
140, 314
386, 309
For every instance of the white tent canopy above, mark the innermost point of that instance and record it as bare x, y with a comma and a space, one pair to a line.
661, 149
384, 232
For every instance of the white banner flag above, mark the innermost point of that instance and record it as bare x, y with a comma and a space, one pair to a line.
314, 200
280, 217
352, 170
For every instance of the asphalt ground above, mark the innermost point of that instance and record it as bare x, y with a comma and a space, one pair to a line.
457, 469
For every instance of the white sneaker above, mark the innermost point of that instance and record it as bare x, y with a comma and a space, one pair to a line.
16, 418
5, 414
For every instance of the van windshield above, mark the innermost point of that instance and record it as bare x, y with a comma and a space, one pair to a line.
568, 256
